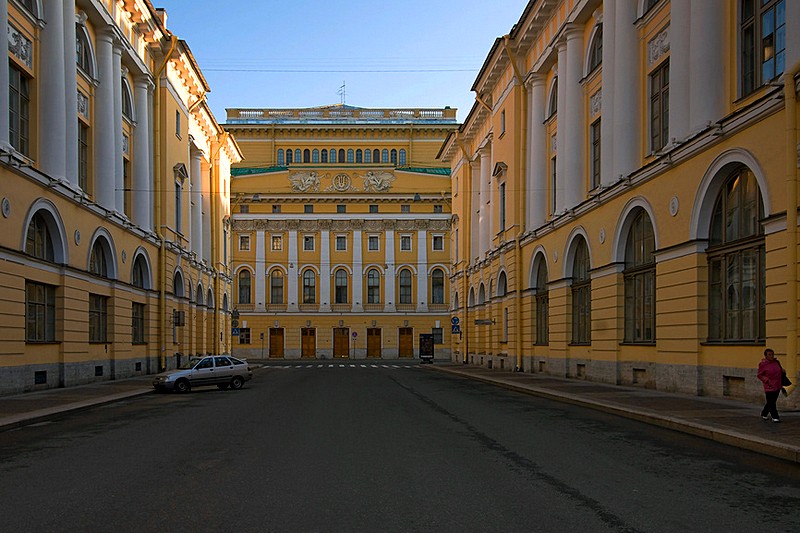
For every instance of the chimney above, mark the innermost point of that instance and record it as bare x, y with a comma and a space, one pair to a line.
162, 14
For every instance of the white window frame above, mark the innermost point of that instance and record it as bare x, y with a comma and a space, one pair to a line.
307, 239
409, 240
344, 240
244, 243
440, 238
276, 239
377, 241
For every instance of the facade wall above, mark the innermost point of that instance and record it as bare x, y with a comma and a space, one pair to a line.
343, 218
101, 203
593, 114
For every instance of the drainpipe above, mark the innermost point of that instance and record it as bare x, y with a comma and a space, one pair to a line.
792, 164
159, 179
520, 149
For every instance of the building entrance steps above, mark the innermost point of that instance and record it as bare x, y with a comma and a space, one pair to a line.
731, 422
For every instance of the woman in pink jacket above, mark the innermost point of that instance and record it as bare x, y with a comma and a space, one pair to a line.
770, 373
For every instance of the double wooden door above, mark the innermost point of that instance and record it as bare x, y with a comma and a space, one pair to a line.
308, 342
405, 345
276, 342
341, 342
373, 342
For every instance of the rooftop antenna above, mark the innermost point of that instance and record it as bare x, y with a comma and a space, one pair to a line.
342, 93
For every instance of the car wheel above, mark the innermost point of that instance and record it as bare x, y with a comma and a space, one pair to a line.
223, 386
182, 385
237, 383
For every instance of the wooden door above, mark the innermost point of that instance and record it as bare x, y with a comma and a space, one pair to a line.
405, 346
309, 342
373, 342
341, 342
276, 342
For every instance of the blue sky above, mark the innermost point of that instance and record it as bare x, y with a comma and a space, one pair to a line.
403, 53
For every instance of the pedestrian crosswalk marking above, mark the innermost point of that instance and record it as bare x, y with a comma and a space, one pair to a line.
338, 365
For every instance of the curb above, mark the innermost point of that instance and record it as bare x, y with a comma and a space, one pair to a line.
723, 436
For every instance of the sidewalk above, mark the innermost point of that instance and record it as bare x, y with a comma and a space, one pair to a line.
730, 422
727, 421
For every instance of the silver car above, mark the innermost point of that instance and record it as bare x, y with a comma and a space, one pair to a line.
221, 370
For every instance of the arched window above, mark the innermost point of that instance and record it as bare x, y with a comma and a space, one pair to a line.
309, 287
581, 292
306, 156
640, 280
298, 155
280, 157
98, 262
224, 303
244, 287
376, 156
481, 294
437, 286
199, 294
324, 156
502, 285
384, 156
542, 299
373, 286
276, 287
393, 157
38, 241
350, 155
455, 301
405, 286
552, 106
127, 100
340, 155
315, 156
210, 299
367, 156
596, 50
340, 286
359, 156
471, 297
177, 285
736, 261
332, 157
140, 275
402, 161
289, 157
84, 54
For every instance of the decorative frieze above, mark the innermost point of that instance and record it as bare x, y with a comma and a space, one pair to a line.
376, 181
308, 226
596, 103
20, 46
305, 181
83, 105
658, 46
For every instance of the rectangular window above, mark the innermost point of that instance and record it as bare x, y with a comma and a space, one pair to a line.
83, 156
502, 122
178, 206
405, 243
40, 310
341, 243
341, 208
308, 208
437, 208
438, 335
244, 243
276, 208
405, 208
308, 243
438, 243
98, 318
19, 110
126, 184
137, 323
277, 243
553, 184
244, 335
373, 243
763, 42
244, 208
178, 124
659, 107
502, 207
373, 208
595, 151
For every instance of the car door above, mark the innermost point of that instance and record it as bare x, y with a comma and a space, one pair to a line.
203, 373
223, 369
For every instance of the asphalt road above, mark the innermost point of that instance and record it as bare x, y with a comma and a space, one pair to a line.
351, 448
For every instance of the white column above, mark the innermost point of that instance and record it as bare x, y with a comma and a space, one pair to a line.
358, 273
475, 210
607, 176
196, 201
389, 276
260, 274
537, 153
70, 94
104, 124
325, 271
206, 194
707, 63
119, 175
574, 167
53, 130
679, 77
291, 278
5, 137
627, 127
141, 179
483, 208
422, 271
561, 129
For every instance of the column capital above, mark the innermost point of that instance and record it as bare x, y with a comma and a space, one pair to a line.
573, 31
535, 78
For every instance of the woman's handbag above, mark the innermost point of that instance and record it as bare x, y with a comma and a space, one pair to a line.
785, 381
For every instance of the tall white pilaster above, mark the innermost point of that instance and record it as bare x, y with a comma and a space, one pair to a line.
206, 192
291, 278
627, 127
5, 138
680, 79
141, 179
422, 271
196, 201
485, 194
574, 178
325, 271
537, 153
53, 131
389, 276
104, 124
358, 273
475, 211
561, 129
119, 174
70, 94
707, 64
607, 176
260, 275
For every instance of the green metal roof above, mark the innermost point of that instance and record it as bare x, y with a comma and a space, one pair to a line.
438, 171
250, 171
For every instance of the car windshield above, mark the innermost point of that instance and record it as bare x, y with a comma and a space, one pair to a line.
189, 364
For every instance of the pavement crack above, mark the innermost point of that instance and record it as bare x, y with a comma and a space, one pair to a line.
517, 461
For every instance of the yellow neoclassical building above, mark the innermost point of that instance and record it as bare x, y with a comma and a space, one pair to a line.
341, 227
115, 196
625, 195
